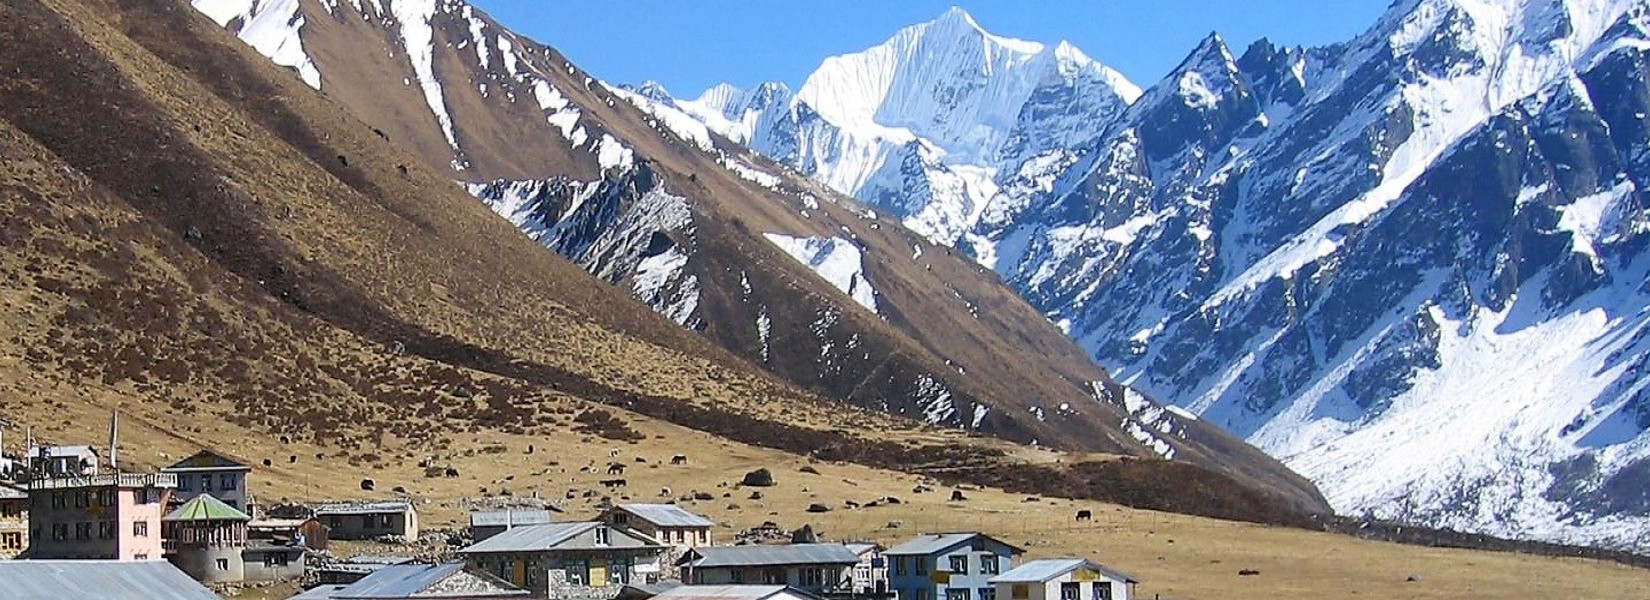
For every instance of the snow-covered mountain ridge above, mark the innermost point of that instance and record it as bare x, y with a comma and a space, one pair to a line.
1411, 265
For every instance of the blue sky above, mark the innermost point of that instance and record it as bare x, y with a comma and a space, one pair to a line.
689, 45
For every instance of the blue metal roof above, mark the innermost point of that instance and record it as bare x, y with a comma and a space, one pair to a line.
101, 579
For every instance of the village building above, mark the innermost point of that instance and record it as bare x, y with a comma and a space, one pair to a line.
61, 461
107, 517
672, 525
205, 538
814, 568
1063, 579
870, 575
569, 561
272, 562
14, 521
734, 592
307, 532
369, 520
452, 581
100, 579
948, 566
488, 523
209, 472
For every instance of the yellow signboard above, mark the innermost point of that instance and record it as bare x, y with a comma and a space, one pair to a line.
940, 577
598, 572
1085, 575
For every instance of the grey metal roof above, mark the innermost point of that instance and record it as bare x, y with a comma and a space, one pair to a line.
729, 592
10, 492
1043, 570
101, 579
559, 536
401, 581
753, 556
665, 515
935, 543
508, 517
362, 508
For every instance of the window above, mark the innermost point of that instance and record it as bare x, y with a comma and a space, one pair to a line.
958, 594
366, 521
59, 500
577, 572
83, 531
206, 483
140, 529
774, 577
60, 531
1020, 591
106, 498
899, 565
922, 593
813, 577
988, 564
11, 541
275, 559
621, 517
105, 530
10, 510
618, 571
959, 564
922, 564
226, 481
1102, 590
223, 564
1071, 590
988, 593
83, 498
736, 575
384, 521
603, 536
141, 556
183, 483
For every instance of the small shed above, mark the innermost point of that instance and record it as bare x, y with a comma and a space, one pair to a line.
306, 532
369, 520
488, 523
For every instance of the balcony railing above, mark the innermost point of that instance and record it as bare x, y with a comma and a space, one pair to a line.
161, 480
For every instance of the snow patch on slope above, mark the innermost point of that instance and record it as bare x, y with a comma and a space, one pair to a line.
834, 259
272, 27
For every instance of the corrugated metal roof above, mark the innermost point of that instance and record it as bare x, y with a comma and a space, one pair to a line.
753, 556
1039, 571
402, 581
206, 508
665, 515
935, 543
361, 508
722, 592
501, 518
207, 460
101, 579
59, 451
531, 537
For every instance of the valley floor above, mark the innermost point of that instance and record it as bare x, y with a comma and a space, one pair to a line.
1173, 555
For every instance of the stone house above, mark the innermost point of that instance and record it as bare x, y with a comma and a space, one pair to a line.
369, 520
569, 561
14, 521
672, 525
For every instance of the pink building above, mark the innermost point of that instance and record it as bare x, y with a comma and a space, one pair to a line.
107, 517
